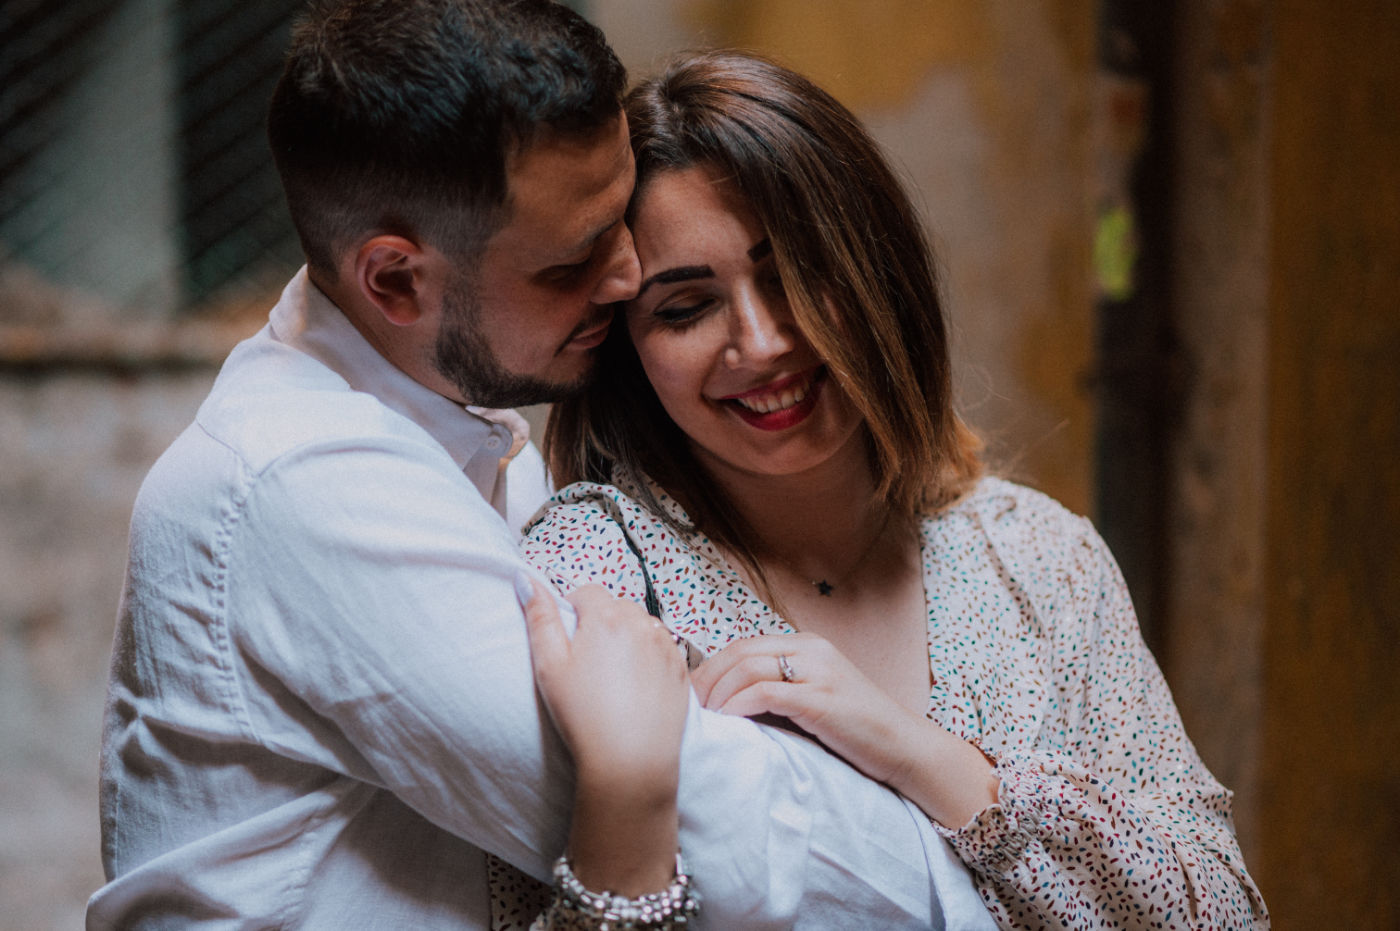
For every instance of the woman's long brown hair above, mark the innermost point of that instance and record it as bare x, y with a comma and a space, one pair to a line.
854, 261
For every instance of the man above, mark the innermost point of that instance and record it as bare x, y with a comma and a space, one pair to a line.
321, 711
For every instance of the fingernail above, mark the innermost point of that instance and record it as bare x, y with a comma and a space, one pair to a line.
524, 588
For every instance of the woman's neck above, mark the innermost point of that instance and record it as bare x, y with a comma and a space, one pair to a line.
834, 561
813, 521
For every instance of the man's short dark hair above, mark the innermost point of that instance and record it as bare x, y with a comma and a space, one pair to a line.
399, 115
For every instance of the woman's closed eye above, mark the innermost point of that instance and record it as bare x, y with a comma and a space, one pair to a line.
683, 314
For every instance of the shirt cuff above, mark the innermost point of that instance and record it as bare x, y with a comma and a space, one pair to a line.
998, 835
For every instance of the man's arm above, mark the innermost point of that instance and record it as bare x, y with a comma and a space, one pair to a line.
398, 631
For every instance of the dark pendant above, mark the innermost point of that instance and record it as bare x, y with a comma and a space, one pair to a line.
823, 587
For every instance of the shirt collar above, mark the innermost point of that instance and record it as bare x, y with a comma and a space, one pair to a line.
307, 320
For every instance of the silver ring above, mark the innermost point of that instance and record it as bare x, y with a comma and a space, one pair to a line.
785, 669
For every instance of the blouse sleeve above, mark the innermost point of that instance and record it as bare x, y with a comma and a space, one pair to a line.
1116, 823
582, 541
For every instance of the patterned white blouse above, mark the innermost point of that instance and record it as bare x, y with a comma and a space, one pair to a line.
1107, 818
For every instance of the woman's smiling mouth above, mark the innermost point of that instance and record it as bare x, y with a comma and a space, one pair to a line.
781, 404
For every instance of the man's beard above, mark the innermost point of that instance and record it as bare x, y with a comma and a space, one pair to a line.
463, 356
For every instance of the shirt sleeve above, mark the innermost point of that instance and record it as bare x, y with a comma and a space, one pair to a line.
1119, 825
375, 631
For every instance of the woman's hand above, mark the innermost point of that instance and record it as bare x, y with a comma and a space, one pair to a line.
617, 692
827, 696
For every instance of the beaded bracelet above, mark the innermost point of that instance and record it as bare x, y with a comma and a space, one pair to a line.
576, 908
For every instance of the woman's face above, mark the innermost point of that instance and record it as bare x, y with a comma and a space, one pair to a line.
716, 337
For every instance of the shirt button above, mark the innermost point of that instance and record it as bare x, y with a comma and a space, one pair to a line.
493, 442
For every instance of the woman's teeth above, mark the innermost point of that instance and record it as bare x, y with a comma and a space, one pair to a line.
782, 400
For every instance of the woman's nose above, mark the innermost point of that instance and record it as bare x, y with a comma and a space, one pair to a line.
761, 330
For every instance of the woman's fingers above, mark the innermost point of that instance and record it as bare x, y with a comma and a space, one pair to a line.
596, 606
617, 689
766, 697
803, 678
596, 602
740, 674
549, 642
709, 673
756, 659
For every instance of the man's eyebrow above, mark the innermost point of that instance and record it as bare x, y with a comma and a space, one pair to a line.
761, 250
673, 275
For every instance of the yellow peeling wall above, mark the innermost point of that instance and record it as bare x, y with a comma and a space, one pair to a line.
1281, 625
986, 109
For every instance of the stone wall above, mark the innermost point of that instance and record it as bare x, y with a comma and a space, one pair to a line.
74, 446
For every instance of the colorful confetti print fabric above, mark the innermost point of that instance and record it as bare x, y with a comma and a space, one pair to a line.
1107, 817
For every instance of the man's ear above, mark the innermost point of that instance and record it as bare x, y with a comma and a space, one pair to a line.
389, 271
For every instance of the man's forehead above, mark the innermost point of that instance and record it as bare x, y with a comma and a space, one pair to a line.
565, 189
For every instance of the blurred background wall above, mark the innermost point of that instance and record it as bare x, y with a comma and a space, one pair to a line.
1171, 242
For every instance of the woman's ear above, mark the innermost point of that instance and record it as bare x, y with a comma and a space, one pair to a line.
389, 271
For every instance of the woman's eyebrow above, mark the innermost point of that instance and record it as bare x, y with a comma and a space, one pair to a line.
757, 253
673, 275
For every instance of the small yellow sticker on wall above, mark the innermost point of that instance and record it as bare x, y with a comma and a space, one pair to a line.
1116, 252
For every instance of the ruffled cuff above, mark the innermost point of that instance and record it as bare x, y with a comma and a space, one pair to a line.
1027, 807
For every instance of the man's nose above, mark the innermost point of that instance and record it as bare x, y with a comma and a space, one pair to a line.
624, 273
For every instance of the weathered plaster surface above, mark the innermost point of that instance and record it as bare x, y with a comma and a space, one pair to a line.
987, 108
73, 450
1218, 460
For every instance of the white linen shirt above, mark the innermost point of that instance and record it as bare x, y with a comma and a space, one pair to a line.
321, 709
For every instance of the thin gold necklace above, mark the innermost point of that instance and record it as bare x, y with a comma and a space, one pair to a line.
824, 585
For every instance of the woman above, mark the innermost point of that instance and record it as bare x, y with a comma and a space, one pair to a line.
769, 456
